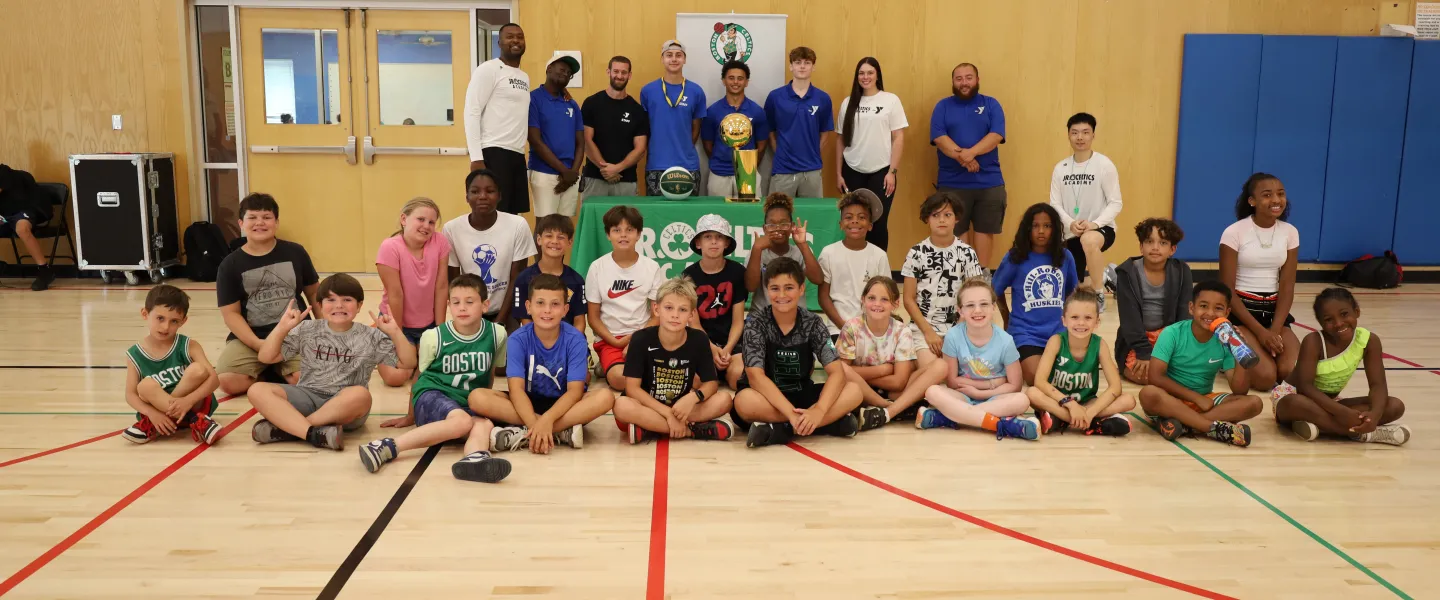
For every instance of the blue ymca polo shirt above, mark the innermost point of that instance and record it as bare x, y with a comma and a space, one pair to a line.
671, 115
966, 123
722, 159
798, 122
558, 119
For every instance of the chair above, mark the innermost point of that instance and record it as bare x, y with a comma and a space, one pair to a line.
58, 227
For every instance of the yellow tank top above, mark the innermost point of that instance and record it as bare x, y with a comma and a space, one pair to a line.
1333, 372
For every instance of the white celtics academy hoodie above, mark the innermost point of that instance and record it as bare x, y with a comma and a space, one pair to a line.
1088, 191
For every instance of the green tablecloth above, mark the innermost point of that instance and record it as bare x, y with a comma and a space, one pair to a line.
669, 225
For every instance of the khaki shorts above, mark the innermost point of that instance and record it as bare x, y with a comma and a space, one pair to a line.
307, 401
547, 202
798, 185
239, 358
600, 188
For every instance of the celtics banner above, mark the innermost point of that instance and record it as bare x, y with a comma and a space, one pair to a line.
712, 39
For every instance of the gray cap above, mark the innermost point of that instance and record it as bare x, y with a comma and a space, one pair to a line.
876, 208
672, 44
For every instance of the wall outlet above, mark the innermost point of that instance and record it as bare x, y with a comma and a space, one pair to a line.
115, 122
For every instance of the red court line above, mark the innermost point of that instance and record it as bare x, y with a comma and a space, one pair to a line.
1385, 354
1005, 531
100, 519
78, 444
659, 509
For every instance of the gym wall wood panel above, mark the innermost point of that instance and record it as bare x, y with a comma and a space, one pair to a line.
70, 64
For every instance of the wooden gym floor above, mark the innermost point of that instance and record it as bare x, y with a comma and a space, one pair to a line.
893, 513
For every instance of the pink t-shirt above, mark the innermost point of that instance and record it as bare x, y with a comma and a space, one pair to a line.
417, 277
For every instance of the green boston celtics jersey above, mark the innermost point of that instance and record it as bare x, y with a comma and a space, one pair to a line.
461, 364
165, 370
1077, 379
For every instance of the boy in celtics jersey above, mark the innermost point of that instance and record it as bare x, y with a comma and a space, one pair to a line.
168, 381
457, 364
1067, 392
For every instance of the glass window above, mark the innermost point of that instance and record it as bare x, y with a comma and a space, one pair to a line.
302, 75
416, 77
223, 187
217, 84
489, 24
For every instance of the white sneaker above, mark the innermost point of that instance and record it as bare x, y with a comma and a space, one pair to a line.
573, 437
505, 439
1305, 429
1395, 435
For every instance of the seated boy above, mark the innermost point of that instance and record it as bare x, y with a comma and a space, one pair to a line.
457, 359
554, 234
337, 356
545, 363
168, 381
671, 387
720, 293
23, 207
253, 286
619, 288
782, 342
852, 261
1153, 291
1183, 365
933, 270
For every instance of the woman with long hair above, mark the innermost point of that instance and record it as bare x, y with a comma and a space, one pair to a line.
872, 139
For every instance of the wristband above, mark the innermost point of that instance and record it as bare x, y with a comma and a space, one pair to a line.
1066, 400
699, 395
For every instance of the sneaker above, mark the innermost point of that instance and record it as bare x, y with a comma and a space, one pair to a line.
1113, 426
141, 432
1305, 429
846, 426
930, 418
1237, 434
480, 467
767, 434
1047, 421
505, 439
1170, 429
638, 434
44, 276
573, 437
1027, 428
1281, 390
908, 414
1110, 278
711, 430
1395, 435
871, 417
375, 454
1100, 301
326, 436
265, 432
204, 430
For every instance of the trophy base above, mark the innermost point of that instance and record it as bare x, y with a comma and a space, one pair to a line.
743, 199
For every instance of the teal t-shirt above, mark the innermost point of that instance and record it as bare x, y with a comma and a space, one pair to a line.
1191, 363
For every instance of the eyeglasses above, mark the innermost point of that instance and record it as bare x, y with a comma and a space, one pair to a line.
777, 226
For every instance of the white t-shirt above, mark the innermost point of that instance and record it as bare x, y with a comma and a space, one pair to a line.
877, 116
1089, 191
1257, 267
490, 253
847, 271
938, 273
623, 294
497, 108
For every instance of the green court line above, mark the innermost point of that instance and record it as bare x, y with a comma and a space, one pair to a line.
1280, 513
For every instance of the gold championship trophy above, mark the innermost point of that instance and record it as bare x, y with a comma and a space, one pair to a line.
735, 131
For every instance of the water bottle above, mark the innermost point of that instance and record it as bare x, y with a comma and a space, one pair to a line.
1226, 332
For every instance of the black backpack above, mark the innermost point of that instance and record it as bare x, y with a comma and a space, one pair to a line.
1378, 272
205, 247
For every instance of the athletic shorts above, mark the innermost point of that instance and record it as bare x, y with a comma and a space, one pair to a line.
652, 183
984, 208
308, 401
918, 337
539, 404
1130, 356
1218, 397
806, 397
7, 228
412, 334
1078, 251
239, 358
547, 202
510, 177
591, 187
1262, 306
433, 406
610, 356
1029, 351
798, 185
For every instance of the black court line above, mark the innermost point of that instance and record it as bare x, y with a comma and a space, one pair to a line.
372, 535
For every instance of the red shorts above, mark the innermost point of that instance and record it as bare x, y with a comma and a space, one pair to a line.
609, 355
1130, 358
1216, 397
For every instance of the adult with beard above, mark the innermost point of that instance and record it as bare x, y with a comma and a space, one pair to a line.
555, 140
872, 139
675, 106
617, 130
736, 77
497, 113
966, 129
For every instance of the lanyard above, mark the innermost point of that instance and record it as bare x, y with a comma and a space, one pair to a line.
664, 91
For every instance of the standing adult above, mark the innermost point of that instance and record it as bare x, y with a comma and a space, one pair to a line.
800, 114
556, 135
872, 139
616, 132
967, 129
736, 76
1085, 190
675, 106
497, 113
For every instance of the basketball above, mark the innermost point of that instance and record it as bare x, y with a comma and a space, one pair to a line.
676, 183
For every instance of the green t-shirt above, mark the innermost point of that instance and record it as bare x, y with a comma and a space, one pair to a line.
165, 370
1191, 363
1077, 378
454, 364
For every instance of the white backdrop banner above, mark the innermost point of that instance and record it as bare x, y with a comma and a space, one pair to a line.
712, 39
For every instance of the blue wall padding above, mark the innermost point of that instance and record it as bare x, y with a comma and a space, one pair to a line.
1292, 127
1367, 136
1417, 216
1219, 96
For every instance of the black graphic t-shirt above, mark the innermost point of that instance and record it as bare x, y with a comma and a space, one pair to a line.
665, 374
616, 124
265, 285
788, 358
719, 294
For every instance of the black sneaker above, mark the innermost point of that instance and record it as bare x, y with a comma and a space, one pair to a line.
711, 430
44, 276
846, 426
908, 414
1113, 425
326, 436
480, 467
767, 434
266, 432
871, 417
1170, 429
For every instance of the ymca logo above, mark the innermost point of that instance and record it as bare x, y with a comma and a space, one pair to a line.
625, 118
865, 110
570, 112
980, 110
730, 41
814, 109
621, 287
